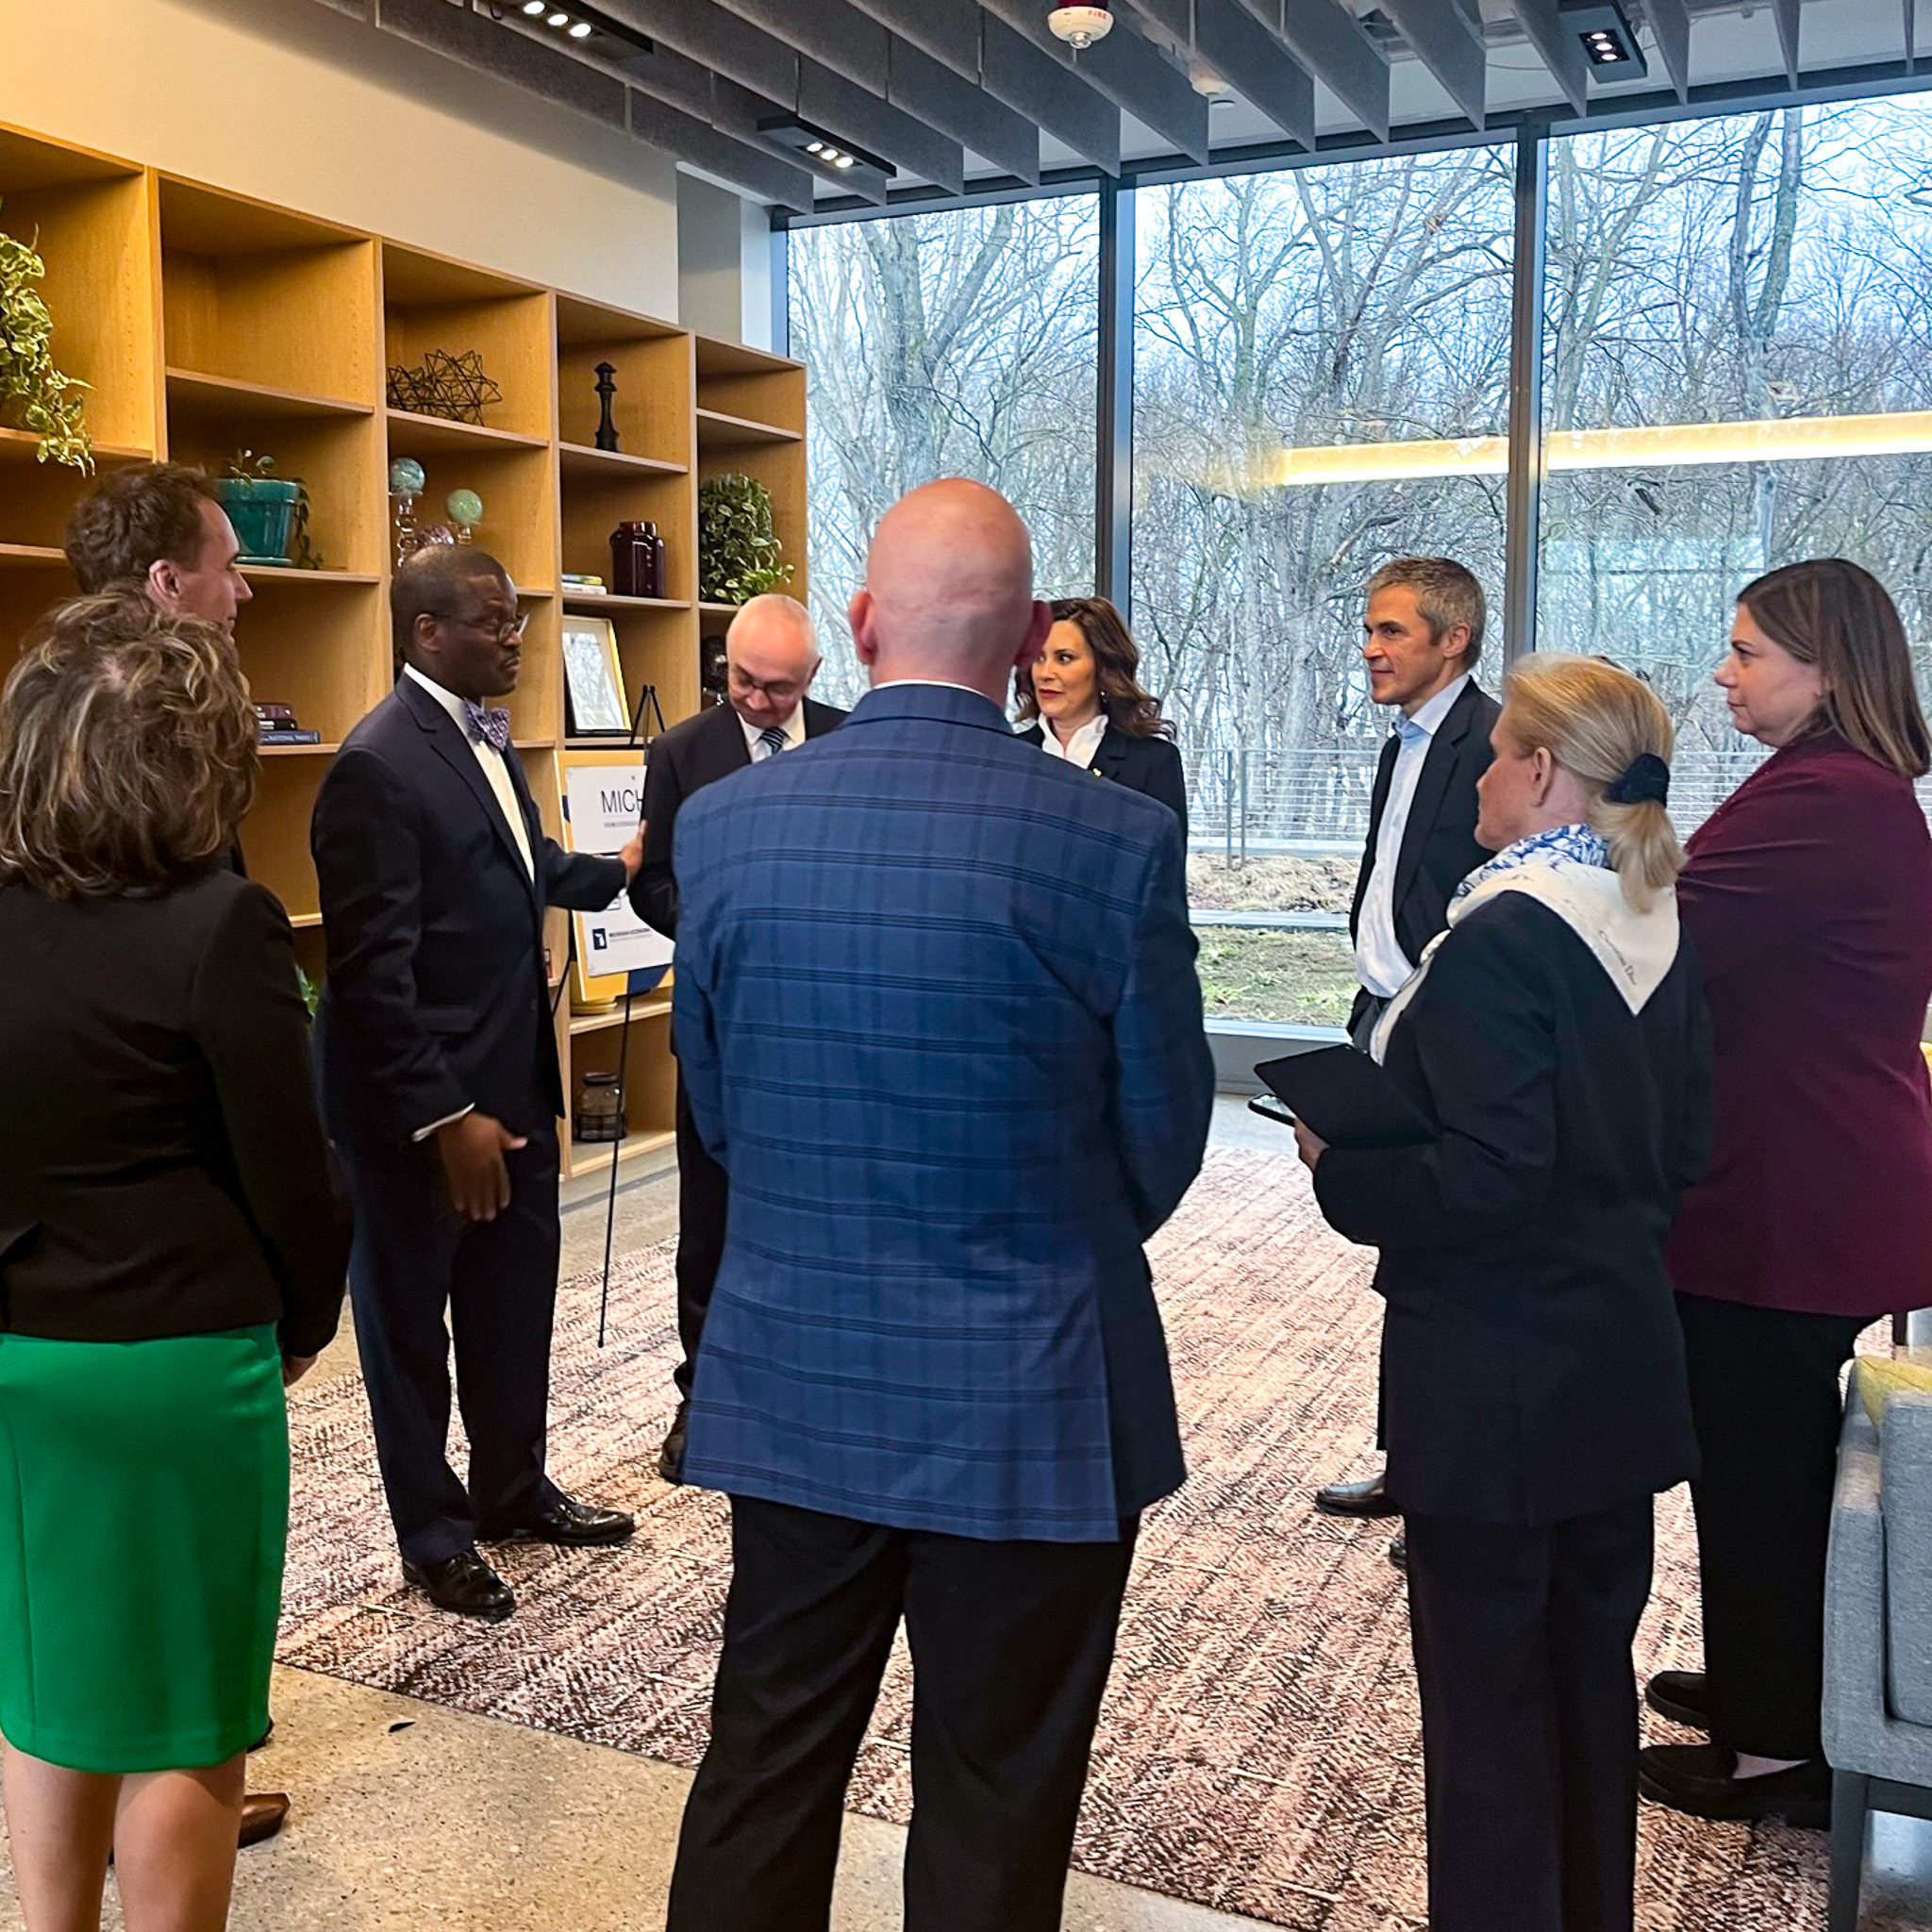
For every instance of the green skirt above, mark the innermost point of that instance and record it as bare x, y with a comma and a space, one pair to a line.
143, 1523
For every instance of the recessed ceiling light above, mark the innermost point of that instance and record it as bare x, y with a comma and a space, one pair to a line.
841, 160
557, 20
581, 30
533, 8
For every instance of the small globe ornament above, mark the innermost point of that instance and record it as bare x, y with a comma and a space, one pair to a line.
465, 510
406, 476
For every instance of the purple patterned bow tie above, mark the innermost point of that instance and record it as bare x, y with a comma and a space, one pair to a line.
488, 727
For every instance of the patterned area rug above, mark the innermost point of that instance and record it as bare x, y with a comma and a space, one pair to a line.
1258, 1752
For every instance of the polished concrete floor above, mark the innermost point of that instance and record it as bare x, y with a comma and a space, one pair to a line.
410, 1818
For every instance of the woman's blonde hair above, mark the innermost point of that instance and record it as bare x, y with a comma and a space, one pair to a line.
129, 749
1609, 730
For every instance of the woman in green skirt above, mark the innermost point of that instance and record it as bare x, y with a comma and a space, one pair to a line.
172, 1254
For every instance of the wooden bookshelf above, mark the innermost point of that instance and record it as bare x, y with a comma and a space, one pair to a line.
207, 324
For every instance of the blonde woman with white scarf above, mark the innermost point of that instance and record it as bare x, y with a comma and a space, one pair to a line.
1533, 1363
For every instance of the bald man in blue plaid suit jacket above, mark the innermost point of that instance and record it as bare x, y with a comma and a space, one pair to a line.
939, 1020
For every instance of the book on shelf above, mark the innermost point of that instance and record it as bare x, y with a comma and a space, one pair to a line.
290, 737
276, 717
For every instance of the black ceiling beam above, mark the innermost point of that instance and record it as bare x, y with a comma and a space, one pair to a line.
850, 42
947, 30
967, 112
739, 52
1670, 29
1246, 59
1123, 68
1786, 14
1325, 38
480, 42
1557, 48
752, 169
1449, 45
1014, 69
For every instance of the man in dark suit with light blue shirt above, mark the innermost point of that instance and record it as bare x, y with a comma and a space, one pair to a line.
940, 1022
1422, 637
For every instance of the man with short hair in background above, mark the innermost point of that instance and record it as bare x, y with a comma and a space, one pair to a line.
160, 525
772, 656
1422, 637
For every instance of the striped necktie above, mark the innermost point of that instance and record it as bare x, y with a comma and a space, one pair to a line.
773, 739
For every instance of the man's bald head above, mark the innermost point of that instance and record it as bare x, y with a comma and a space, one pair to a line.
772, 655
948, 591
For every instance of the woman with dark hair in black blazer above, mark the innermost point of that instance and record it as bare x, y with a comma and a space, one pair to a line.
1082, 701
1554, 1038
173, 1252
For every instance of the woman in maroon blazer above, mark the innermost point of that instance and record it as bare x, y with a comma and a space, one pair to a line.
1809, 897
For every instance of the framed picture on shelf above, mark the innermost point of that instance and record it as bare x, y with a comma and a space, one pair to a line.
593, 679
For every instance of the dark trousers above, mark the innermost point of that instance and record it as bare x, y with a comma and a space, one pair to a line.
701, 1193
1764, 1390
1529, 1717
1011, 1644
1363, 1022
412, 1261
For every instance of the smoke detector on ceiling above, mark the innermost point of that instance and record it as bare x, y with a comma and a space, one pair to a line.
1080, 26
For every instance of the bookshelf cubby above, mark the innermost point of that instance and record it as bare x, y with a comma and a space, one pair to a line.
207, 324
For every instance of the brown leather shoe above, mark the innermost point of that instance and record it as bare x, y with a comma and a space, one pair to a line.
262, 1815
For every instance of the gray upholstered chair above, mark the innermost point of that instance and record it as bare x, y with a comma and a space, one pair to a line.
1878, 1633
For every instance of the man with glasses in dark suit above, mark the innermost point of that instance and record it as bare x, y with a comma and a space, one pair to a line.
441, 1082
771, 657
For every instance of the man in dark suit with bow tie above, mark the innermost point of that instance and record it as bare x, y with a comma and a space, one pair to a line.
772, 656
441, 1082
1421, 636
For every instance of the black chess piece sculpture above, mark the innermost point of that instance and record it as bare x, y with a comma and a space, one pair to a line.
606, 388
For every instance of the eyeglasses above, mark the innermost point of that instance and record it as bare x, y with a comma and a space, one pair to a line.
508, 631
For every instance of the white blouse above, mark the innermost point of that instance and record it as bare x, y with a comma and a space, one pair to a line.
1079, 749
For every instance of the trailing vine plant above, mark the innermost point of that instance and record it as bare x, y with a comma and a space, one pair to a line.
33, 392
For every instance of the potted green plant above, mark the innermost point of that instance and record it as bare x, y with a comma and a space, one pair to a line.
737, 548
33, 392
261, 507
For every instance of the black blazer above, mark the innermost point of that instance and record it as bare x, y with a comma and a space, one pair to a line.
163, 1168
686, 758
434, 998
1532, 1361
1439, 848
1151, 765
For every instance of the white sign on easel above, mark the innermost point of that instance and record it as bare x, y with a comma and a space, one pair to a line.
603, 800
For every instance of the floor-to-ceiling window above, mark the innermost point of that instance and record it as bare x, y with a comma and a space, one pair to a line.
1735, 346
1321, 384
955, 344
1737, 315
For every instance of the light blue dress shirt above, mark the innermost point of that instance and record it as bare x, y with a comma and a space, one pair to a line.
1380, 963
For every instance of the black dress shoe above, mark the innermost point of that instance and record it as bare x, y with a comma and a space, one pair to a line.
1366, 1498
1398, 1554
1681, 1696
576, 1526
670, 1456
1701, 1779
463, 1583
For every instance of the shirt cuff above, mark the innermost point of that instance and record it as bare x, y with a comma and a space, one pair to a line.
424, 1133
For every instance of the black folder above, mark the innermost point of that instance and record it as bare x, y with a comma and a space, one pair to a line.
1347, 1098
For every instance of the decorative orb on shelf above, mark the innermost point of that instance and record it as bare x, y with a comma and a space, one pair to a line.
465, 510
406, 476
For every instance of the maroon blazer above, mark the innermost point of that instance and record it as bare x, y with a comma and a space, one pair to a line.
1808, 898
